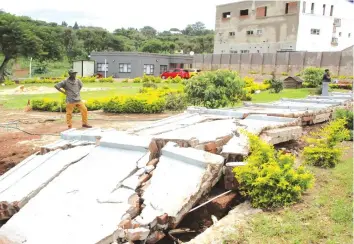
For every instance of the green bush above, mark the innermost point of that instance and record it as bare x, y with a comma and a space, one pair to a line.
157, 80
134, 105
342, 77
47, 104
94, 104
9, 83
341, 86
323, 149
276, 86
137, 80
89, 79
114, 105
347, 115
149, 85
215, 89
125, 81
176, 102
106, 80
177, 80
313, 76
269, 177
247, 97
284, 73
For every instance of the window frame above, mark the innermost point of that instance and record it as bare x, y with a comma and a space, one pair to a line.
152, 69
243, 15
312, 8
100, 67
121, 68
315, 31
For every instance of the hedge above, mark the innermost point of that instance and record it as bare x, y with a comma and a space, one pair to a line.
56, 80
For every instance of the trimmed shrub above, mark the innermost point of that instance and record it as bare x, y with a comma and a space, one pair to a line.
252, 87
215, 89
106, 80
9, 83
347, 115
137, 80
276, 86
313, 76
323, 149
89, 79
269, 177
344, 86
149, 85
176, 102
125, 81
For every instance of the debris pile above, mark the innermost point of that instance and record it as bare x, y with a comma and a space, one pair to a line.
107, 186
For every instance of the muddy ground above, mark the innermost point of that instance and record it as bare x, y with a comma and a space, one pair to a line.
44, 128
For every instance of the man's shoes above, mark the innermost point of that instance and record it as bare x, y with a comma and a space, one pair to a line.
69, 127
86, 126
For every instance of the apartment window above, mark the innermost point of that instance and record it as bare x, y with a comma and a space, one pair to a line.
149, 69
315, 31
259, 32
340, 34
250, 32
226, 15
261, 12
245, 51
233, 51
101, 67
304, 7
125, 68
331, 13
312, 8
163, 68
334, 41
244, 12
232, 33
324, 9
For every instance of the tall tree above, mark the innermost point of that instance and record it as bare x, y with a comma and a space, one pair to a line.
64, 24
76, 26
148, 31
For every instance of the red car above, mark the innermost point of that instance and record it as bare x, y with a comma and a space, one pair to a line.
176, 72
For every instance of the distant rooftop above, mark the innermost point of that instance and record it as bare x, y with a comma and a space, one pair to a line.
139, 54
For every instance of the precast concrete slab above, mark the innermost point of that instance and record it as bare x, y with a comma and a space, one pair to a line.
64, 144
24, 183
232, 113
92, 134
329, 102
289, 105
182, 176
80, 205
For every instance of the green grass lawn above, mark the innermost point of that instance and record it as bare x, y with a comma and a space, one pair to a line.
115, 89
265, 96
325, 216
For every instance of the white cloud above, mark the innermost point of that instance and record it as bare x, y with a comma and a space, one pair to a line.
112, 14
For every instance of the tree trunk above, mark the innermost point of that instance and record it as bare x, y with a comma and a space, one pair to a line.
2, 68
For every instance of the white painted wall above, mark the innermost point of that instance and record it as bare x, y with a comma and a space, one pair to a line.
307, 21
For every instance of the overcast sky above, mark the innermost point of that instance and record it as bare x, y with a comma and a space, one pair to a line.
112, 14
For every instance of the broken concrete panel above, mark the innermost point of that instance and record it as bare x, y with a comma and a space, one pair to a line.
336, 97
289, 105
121, 195
222, 112
320, 118
202, 132
122, 140
138, 234
276, 136
63, 144
92, 134
316, 101
237, 146
69, 203
168, 194
22, 186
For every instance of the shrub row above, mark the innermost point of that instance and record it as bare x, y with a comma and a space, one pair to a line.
148, 101
155, 79
56, 80
341, 86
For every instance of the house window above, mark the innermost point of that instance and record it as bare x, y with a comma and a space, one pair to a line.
324, 9
315, 31
232, 33
149, 69
244, 12
163, 68
101, 67
226, 15
331, 13
261, 12
304, 7
312, 8
245, 51
250, 32
259, 32
125, 68
340, 34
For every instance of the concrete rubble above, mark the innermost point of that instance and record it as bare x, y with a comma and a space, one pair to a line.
107, 186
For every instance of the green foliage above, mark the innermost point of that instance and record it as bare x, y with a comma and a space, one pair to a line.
253, 72
94, 104
269, 177
276, 86
342, 77
137, 80
125, 81
149, 85
47, 104
106, 80
323, 149
215, 89
345, 86
252, 87
88, 79
134, 105
176, 102
347, 115
9, 82
313, 76
285, 74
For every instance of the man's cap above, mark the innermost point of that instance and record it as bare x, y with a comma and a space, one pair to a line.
71, 71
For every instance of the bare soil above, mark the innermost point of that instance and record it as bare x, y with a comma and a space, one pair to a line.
44, 128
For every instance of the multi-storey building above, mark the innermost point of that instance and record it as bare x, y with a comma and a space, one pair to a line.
273, 26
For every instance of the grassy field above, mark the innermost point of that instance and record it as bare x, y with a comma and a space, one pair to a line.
325, 216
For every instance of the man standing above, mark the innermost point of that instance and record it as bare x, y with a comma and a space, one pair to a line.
325, 82
72, 88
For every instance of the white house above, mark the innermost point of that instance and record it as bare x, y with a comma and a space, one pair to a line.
273, 26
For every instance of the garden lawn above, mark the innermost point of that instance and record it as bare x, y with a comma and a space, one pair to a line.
325, 216
116, 89
266, 96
